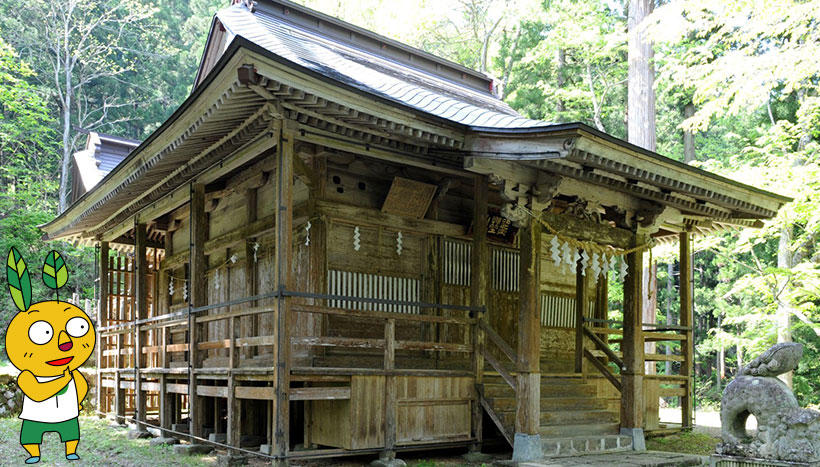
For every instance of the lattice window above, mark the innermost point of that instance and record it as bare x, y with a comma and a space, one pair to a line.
363, 285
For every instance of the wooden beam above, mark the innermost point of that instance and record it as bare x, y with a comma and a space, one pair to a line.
585, 230
478, 295
198, 297
632, 345
332, 140
141, 307
514, 146
687, 320
528, 394
375, 217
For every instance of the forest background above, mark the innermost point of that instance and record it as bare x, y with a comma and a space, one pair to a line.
736, 91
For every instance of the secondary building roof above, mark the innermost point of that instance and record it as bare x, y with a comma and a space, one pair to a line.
102, 153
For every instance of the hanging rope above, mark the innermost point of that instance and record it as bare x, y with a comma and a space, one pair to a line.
588, 245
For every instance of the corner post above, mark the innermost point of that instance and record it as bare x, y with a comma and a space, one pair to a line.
198, 297
286, 136
102, 318
686, 320
633, 349
478, 296
141, 302
527, 443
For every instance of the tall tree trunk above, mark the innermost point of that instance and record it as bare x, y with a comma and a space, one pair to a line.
65, 163
641, 79
688, 136
560, 63
784, 309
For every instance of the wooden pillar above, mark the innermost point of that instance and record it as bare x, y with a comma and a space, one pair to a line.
581, 306
102, 314
234, 415
198, 296
118, 291
390, 403
166, 399
478, 294
527, 445
284, 280
602, 303
632, 346
687, 320
251, 327
141, 312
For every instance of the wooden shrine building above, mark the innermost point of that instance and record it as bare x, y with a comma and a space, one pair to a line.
341, 244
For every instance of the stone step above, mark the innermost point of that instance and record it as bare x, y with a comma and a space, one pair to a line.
507, 402
573, 430
568, 446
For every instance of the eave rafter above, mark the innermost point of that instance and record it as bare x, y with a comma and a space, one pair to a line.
587, 159
635, 189
332, 113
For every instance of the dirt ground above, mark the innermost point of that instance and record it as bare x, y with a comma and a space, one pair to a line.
105, 444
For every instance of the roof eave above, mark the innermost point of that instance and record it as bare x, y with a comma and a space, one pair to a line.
583, 130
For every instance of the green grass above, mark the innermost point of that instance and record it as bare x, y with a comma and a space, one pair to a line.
686, 442
100, 444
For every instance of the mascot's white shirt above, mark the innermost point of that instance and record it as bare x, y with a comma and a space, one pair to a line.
55, 409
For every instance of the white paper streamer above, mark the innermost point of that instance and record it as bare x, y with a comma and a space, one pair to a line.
555, 249
307, 233
624, 269
566, 255
255, 247
585, 262
357, 244
612, 263
596, 265
399, 245
604, 266
171, 286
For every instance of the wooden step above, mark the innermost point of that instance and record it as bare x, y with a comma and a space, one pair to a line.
547, 390
563, 417
507, 402
553, 418
567, 446
561, 431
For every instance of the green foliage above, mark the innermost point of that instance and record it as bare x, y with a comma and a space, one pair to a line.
19, 280
569, 66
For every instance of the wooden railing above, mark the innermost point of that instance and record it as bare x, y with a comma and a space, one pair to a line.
602, 354
505, 349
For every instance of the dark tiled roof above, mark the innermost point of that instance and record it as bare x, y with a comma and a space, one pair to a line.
101, 155
371, 73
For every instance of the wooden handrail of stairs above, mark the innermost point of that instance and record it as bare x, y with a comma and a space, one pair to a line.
603, 369
603, 347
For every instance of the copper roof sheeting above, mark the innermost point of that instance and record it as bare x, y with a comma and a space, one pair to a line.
371, 73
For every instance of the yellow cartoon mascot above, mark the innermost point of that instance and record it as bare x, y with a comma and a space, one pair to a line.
48, 341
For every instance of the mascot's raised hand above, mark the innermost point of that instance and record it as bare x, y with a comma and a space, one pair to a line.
48, 341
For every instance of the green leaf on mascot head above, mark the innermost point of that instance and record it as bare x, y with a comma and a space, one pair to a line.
55, 273
19, 280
